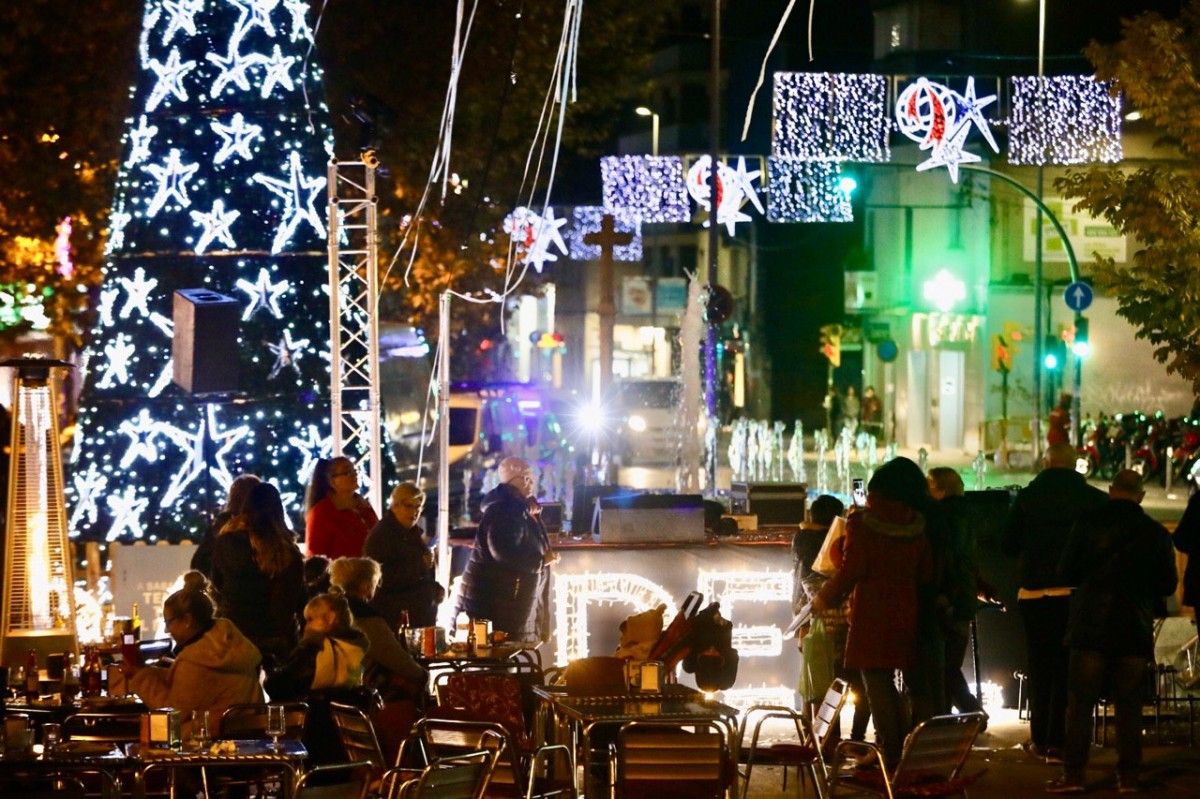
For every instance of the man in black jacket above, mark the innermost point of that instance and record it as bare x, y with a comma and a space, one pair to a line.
1036, 531
1187, 541
1122, 565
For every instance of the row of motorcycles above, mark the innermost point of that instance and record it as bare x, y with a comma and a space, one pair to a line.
1147, 443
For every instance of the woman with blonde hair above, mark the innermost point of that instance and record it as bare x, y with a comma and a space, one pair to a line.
259, 573
214, 665
389, 667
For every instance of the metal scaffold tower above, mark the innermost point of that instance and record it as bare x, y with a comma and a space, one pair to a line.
354, 320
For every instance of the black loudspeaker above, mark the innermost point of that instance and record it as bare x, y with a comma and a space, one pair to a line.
773, 503
204, 347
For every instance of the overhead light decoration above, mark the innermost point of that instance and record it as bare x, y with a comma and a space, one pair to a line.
586, 219
939, 119
945, 291
1065, 119
807, 191
534, 235
735, 188
823, 116
650, 187
222, 186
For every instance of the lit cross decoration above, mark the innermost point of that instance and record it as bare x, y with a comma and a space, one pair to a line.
939, 119
140, 138
181, 17
142, 432
734, 189
126, 509
89, 487
172, 176
263, 294
233, 65
116, 369
170, 79
298, 206
236, 138
287, 354
278, 67
215, 226
945, 291
138, 291
312, 447
299, 11
116, 230
255, 12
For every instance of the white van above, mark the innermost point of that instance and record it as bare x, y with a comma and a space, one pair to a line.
648, 408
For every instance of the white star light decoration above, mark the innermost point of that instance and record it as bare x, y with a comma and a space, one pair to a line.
140, 138
298, 194
170, 79
301, 32
939, 120
255, 13
535, 234
172, 176
735, 189
278, 69
181, 16
263, 294
89, 487
142, 432
233, 65
138, 290
116, 369
226, 439
116, 231
215, 226
192, 445
287, 354
126, 509
312, 446
164, 379
108, 302
236, 138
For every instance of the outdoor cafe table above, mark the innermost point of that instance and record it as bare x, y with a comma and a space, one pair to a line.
676, 703
288, 757
107, 761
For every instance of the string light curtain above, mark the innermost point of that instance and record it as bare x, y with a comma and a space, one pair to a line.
823, 116
806, 191
1065, 119
650, 187
586, 219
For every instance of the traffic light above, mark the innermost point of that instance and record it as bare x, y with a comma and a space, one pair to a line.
1054, 353
831, 344
1081, 346
1002, 353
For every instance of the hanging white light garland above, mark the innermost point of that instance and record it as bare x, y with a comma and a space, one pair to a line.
650, 187
586, 219
1065, 119
822, 116
806, 191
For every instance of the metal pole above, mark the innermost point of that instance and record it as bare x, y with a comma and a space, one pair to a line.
1037, 269
711, 330
443, 406
1077, 398
653, 134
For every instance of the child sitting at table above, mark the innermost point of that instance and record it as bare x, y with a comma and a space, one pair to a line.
330, 653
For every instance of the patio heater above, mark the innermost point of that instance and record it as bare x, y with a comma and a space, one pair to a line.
39, 586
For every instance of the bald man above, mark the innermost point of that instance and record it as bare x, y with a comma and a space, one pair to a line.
506, 573
1036, 532
1122, 564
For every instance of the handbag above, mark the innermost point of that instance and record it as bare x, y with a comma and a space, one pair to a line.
823, 563
816, 668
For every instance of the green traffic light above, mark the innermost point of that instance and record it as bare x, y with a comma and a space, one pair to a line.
847, 185
1050, 361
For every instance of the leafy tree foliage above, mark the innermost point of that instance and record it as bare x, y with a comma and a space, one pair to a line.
64, 77
1156, 64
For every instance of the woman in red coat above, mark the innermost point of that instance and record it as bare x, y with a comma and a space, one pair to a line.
338, 518
886, 558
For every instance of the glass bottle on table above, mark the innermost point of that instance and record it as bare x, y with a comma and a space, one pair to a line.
32, 688
135, 623
90, 677
70, 682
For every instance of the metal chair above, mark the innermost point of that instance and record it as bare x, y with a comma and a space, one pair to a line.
519, 770
931, 765
683, 760
250, 720
341, 781
460, 777
42, 786
102, 727
357, 735
806, 752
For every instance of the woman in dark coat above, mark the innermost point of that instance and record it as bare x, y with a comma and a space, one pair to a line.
235, 503
504, 577
398, 546
259, 573
886, 560
1187, 541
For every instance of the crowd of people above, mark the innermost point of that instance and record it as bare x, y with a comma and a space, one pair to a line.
896, 583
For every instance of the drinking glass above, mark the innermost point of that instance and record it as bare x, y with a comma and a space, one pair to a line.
276, 724
51, 735
199, 729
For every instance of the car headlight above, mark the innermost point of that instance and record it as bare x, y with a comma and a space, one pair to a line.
637, 423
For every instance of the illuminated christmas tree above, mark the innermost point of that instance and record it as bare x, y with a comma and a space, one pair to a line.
222, 187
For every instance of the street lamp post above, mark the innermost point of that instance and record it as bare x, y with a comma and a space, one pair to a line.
643, 111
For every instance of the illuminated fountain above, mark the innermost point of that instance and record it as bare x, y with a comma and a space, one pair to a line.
795, 455
687, 474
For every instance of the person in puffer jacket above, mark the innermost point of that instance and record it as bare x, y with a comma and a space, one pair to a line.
330, 653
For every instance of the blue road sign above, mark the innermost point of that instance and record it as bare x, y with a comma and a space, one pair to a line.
1078, 296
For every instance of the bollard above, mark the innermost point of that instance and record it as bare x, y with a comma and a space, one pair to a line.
1170, 468
1128, 456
